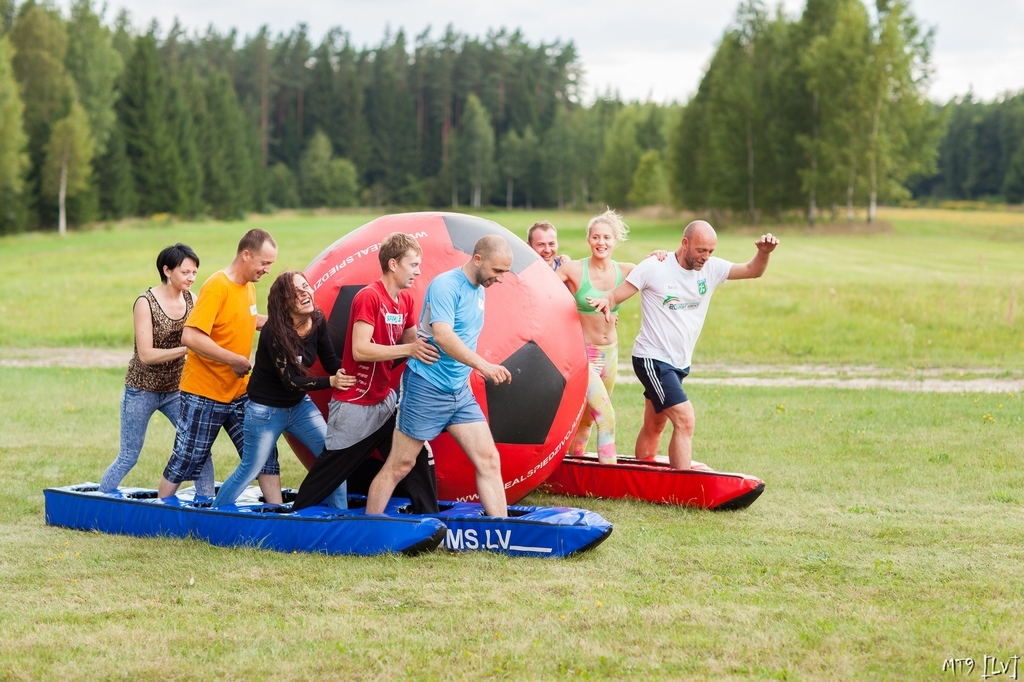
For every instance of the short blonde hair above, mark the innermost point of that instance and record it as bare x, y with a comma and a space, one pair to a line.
613, 220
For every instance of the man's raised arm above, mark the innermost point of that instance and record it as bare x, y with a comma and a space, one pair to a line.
759, 263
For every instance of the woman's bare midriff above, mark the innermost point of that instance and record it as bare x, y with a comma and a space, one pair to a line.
597, 331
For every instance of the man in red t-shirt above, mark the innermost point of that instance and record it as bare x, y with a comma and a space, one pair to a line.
381, 336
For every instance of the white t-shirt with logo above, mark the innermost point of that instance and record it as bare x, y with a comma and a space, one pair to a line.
674, 302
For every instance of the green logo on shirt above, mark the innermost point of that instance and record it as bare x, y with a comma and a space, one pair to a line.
669, 299
702, 287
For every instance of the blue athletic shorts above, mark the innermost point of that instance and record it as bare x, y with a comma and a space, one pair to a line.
424, 410
663, 383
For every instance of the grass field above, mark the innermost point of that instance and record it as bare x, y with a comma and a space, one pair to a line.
887, 541
938, 290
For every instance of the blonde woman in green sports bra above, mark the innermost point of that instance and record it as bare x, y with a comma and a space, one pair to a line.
591, 278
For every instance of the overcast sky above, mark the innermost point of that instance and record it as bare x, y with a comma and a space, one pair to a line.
644, 49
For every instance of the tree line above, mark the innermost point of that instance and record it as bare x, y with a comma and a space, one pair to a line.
981, 156
810, 113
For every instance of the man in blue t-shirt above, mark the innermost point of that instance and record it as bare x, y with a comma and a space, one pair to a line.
437, 397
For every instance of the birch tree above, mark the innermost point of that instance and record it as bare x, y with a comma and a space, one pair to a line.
68, 166
902, 129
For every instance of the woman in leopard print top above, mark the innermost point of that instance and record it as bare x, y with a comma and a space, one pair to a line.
154, 371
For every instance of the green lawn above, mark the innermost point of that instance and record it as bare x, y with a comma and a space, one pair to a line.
938, 290
888, 540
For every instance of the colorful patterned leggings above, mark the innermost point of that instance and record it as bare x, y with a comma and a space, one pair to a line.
604, 363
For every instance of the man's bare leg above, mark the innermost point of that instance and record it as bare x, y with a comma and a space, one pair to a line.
649, 438
680, 446
397, 466
270, 485
476, 441
167, 489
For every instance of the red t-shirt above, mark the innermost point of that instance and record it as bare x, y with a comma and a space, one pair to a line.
374, 305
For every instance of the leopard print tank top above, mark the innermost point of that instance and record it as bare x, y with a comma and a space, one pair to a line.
165, 376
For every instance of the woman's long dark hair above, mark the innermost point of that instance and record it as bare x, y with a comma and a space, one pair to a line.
279, 323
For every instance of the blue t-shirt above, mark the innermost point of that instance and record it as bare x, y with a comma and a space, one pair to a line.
450, 298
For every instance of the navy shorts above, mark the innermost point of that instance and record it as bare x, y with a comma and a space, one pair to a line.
663, 383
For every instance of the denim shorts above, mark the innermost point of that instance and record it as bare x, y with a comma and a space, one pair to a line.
663, 383
424, 410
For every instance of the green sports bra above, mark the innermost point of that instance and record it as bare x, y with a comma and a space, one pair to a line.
587, 290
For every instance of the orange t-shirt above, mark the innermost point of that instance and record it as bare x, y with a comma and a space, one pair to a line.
227, 313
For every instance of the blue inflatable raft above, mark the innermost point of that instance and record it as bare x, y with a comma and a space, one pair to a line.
138, 511
527, 531
460, 526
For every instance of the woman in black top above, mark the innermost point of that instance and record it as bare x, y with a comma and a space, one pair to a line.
294, 336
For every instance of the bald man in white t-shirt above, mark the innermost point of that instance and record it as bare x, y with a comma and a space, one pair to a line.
674, 300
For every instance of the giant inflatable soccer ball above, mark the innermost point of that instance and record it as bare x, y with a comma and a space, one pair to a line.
530, 326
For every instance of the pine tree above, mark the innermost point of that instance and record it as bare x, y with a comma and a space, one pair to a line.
391, 118
621, 156
113, 173
558, 157
289, 104
94, 65
183, 100
151, 147
228, 186
1013, 184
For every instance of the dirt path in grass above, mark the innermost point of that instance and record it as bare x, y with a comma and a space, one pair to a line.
930, 380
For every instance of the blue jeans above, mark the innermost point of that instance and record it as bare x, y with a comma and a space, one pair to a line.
137, 406
263, 426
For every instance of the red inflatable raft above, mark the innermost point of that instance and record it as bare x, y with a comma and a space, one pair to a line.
655, 482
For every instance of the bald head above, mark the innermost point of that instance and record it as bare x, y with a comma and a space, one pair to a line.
492, 246
699, 227
492, 258
699, 242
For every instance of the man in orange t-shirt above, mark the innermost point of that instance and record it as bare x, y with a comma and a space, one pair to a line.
218, 335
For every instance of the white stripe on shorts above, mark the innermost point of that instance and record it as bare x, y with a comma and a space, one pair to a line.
652, 374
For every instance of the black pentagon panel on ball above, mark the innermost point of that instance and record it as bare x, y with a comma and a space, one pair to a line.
465, 232
337, 325
521, 413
